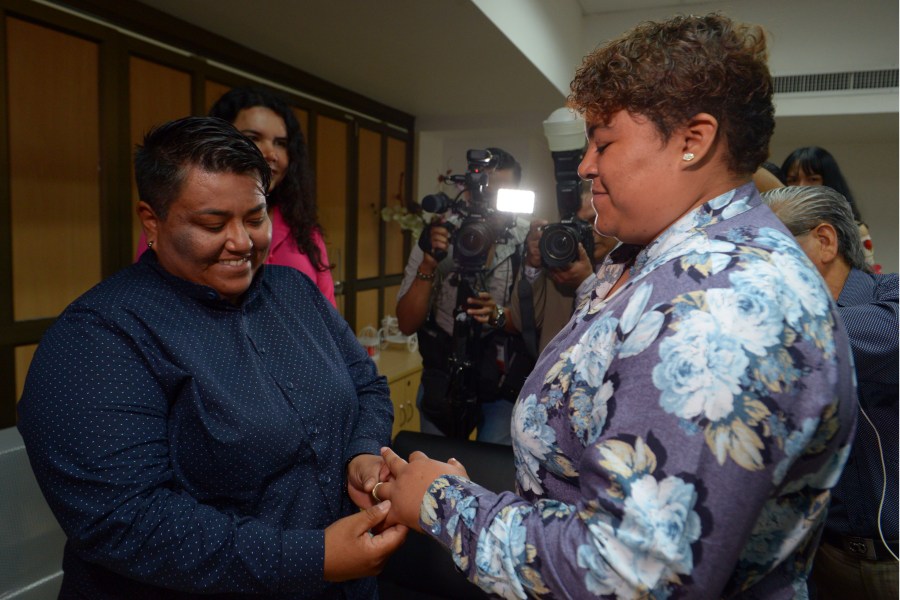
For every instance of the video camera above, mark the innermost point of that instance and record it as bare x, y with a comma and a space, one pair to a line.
559, 241
481, 225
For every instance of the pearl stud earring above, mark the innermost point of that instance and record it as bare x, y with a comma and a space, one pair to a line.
688, 156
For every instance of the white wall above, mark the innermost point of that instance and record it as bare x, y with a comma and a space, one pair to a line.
805, 36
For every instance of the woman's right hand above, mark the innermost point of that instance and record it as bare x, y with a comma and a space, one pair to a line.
351, 551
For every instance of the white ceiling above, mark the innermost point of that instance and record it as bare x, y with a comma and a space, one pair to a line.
430, 58
442, 61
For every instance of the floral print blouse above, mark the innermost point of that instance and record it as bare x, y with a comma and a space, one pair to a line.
677, 439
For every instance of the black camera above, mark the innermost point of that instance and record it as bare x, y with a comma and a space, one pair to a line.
481, 224
559, 241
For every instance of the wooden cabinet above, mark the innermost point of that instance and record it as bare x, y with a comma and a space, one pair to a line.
403, 395
403, 370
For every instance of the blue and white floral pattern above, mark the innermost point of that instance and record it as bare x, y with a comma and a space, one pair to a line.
690, 422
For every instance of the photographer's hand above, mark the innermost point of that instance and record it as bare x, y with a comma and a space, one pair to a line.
572, 276
481, 308
412, 308
533, 243
440, 242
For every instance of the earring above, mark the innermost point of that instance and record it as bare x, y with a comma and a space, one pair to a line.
688, 156
149, 245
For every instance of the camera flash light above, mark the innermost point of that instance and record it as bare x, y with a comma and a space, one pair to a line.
515, 201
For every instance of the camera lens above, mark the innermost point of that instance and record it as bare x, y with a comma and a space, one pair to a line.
559, 246
472, 242
436, 203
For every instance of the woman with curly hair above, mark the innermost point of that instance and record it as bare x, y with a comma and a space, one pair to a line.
679, 436
297, 236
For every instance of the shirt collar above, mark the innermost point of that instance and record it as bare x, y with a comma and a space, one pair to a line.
202, 293
721, 208
857, 289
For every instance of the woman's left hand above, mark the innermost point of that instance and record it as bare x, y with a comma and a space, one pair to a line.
409, 481
363, 472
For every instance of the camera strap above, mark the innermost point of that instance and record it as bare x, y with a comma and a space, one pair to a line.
526, 310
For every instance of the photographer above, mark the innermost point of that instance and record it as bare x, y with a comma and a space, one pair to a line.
427, 301
553, 301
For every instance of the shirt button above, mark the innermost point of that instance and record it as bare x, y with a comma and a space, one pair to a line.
326, 478
212, 295
315, 430
290, 385
262, 350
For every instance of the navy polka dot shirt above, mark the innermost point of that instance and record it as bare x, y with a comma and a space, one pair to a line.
187, 445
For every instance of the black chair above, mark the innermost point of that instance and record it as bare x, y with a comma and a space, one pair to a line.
422, 569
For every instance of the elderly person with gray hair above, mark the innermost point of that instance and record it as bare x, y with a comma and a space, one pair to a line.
858, 554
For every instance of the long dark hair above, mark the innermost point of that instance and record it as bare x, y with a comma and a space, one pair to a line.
819, 161
294, 195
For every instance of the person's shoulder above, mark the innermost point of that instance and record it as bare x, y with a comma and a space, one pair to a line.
886, 281
886, 287
283, 275
284, 280
120, 290
865, 288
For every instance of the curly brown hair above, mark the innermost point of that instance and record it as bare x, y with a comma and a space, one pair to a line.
672, 70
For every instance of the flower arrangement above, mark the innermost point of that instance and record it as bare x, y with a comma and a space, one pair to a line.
409, 216
408, 220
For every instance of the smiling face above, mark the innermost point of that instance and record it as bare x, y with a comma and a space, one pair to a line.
269, 133
216, 232
634, 178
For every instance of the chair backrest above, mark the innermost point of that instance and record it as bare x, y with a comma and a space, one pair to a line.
31, 541
422, 568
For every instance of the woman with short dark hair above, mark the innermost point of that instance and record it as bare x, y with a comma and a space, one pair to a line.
203, 424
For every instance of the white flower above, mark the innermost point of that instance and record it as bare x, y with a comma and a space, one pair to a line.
748, 314
533, 441
660, 521
701, 369
594, 351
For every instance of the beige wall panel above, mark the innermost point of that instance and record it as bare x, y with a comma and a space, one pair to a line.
213, 92
54, 158
157, 94
368, 203
24, 354
394, 260
331, 189
367, 310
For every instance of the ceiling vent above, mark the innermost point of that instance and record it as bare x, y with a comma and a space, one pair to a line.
831, 82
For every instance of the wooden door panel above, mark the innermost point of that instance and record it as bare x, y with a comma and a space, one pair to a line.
54, 167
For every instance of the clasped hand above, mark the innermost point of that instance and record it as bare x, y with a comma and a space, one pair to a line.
352, 550
408, 482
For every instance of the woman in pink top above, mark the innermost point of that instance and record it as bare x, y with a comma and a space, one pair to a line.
297, 237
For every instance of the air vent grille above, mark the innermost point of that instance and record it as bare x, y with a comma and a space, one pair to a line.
829, 82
